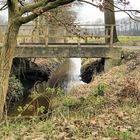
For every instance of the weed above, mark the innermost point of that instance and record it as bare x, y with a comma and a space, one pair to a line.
15, 90
111, 132
100, 89
127, 135
94, 100
41, 110
49, 126
55, 91
71, 101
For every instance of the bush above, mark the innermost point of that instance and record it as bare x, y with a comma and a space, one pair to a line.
15, 90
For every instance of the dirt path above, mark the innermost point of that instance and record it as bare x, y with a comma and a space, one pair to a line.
129, 47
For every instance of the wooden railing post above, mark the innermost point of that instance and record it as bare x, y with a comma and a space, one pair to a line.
78, 40
65, 36
111, 36
106, 34
47, 36
86, 38
24, 38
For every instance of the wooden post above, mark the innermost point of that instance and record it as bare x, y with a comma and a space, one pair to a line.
111, 36
86, 38
24, 37
65, 36
78, 40
106, 34
47, 36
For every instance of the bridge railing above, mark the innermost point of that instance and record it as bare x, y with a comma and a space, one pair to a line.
74, 34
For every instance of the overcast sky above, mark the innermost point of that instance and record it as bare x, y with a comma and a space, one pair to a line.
89, 13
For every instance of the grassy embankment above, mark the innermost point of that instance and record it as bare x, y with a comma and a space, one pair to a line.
129, 40
106, 109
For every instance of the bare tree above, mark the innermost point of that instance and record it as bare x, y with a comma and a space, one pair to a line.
17, 11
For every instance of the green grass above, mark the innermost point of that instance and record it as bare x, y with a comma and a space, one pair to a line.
129, 40
123, 40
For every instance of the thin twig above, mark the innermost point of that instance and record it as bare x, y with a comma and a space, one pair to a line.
4, 7
119, 9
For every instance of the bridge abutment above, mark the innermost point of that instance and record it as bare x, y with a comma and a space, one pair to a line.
114, 59
110, 63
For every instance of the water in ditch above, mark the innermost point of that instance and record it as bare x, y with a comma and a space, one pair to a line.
74, 73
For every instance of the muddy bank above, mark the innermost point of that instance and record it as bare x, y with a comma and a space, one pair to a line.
90, 68
30, 71
33, 71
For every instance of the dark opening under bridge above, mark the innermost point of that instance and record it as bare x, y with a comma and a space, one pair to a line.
74, 41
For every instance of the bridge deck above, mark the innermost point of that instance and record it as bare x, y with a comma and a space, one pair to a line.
67, 51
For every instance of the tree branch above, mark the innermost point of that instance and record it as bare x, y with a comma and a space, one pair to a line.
31, 7
119, 9
4, 7
125, 11
84, 1
42, 9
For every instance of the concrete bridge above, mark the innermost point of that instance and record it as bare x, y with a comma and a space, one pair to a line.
86, 41
67, 51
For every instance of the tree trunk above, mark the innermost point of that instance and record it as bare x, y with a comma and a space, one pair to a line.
7, 53
109, 18
16, 18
